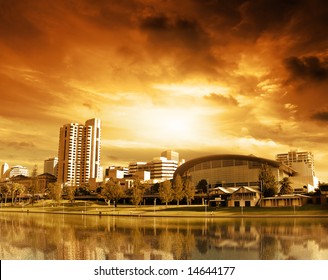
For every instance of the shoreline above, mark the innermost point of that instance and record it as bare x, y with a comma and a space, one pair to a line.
196, 211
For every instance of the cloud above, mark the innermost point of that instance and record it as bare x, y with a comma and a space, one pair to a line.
321, 116
309, 67
222, 100
64, 61
20, 145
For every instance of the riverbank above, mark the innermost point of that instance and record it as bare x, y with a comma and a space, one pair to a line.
199, 211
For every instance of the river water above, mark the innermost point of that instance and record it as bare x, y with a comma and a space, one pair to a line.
32, 236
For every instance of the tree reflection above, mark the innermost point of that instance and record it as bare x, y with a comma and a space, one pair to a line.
38, 236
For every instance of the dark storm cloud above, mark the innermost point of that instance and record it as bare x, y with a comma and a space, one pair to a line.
310, 67
15, 23
222, 100
259, 16
175, 31
321, 116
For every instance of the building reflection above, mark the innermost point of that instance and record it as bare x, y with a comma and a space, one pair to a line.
49, 237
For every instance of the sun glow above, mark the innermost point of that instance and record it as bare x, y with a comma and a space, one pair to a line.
173, 125
192, 89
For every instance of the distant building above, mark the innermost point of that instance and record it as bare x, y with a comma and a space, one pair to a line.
14, 171
4, 169
116, 172
138, 166
160, 168
50, 166
171, 155
79, 153
303, 163
231, 171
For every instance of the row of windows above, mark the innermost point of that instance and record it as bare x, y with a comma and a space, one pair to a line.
225, 163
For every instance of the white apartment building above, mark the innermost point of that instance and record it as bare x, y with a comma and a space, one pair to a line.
50, 166
79, 153
303, 164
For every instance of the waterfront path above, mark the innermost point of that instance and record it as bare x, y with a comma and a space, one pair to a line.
197, 211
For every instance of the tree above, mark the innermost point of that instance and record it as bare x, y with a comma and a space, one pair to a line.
34, 182
285, 186
55, 191
267, 181
13, 189
323, 187
178, 193
137, 192
112, 191
189, 190
70, 192
5, 190
155, 188
202, 186
20, 189
165, 192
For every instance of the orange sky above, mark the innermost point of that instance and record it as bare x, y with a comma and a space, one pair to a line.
199, 77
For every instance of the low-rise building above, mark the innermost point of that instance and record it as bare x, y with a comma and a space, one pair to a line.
285, 200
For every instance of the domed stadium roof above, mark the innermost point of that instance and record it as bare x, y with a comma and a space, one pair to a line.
189, 164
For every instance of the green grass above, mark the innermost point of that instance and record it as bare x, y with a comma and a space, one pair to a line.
88, 207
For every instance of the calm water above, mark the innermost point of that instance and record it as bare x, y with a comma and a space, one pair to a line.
52, 237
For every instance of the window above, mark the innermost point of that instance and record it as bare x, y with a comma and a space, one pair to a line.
227, 163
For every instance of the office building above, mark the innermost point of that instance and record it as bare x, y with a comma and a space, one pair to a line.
79, 153
171, 155
303, 164
50, 166
116, 172
160, 168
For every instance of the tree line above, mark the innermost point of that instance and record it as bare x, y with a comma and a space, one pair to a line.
168, 191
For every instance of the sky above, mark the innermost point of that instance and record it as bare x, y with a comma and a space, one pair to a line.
200, 77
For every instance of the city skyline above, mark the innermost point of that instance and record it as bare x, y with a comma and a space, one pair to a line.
200, 78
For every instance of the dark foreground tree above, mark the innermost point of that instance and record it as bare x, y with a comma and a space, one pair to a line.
267, 181
112, 191
202, 186
285, 186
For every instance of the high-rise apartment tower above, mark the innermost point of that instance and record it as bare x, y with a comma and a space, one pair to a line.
79, 153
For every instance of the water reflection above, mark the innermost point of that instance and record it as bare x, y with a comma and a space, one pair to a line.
46, 236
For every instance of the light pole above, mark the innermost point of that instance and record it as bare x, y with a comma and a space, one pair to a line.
205, 207
241, 201
154, 205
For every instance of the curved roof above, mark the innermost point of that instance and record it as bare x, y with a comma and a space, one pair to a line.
189, 164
